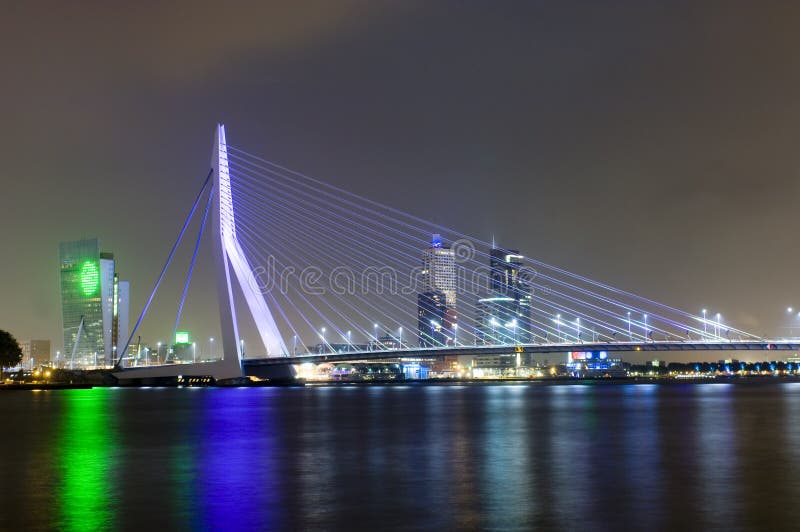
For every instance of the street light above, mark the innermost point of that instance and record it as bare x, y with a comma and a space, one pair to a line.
194, 351
323, 338
705, 325
455, 335
645, 328
375, 333
158, 353
349, 343
434, 325
578, 327
294, 345
400, 337
630, 335
513, 326
494, 324
558, 327
211, 348
719, 322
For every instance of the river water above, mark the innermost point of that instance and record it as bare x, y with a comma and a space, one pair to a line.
404, 457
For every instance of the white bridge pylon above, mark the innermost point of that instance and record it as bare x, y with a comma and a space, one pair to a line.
231, 267
228, 255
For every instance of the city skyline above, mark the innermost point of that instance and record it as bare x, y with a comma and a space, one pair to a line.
400, 265
665, 183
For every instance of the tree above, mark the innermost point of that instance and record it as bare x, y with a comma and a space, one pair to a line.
10, 351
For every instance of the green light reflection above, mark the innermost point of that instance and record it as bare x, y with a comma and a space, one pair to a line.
87, 444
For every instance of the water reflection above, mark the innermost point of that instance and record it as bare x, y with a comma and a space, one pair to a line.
238, 478
398, 458
87, 447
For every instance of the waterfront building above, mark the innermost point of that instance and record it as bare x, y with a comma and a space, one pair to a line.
497, 362
595, 364
504, 315
431, 319
35, 352
94, 307
439, 271
436, 304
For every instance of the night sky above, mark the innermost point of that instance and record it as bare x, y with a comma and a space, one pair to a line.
650, 145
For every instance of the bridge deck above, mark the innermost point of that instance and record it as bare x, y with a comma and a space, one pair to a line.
438, 352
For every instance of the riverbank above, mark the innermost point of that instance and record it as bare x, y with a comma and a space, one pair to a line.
43, 386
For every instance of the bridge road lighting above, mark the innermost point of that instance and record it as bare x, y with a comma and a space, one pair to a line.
513, 326
645, 328
558, 327
719, 329
322, 335
434, 325
630, 336
705, 325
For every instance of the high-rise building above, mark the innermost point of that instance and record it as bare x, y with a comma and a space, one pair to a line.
431, 316
504, 265
504, 316
91, 303
439, 271
436, 304
35, 352
123, 300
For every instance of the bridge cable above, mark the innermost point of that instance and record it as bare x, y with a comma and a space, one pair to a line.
164, 269
192, 263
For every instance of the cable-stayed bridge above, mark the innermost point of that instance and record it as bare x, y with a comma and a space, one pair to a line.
328, 275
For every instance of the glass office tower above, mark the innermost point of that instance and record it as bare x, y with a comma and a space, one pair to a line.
92, 292
81, 298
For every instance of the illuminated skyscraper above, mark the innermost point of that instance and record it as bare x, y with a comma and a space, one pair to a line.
431, 315
437, 302
505, 315
91, 306
439, 271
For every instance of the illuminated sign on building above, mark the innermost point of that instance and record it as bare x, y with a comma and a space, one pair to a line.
588, 355
89, 278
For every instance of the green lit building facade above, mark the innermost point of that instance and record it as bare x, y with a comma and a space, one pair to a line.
90, 290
